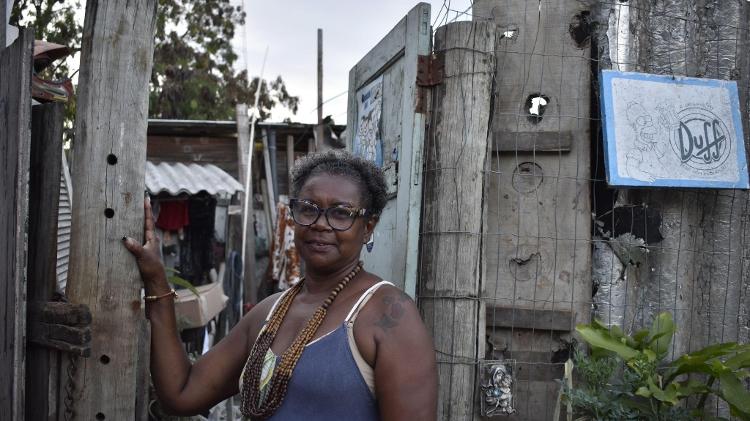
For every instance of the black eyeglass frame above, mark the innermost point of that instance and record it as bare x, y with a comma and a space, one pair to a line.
355, 213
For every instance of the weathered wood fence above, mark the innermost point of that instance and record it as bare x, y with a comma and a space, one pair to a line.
516, 199
38, 381
15, 145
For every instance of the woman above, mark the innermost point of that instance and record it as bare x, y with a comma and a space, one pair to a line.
342, 345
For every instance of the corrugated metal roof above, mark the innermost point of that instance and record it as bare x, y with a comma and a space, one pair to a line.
176, 178
63, 226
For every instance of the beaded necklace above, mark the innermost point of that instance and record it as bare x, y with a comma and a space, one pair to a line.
253, 404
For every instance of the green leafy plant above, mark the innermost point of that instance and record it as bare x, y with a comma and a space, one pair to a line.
173, 278
649, 386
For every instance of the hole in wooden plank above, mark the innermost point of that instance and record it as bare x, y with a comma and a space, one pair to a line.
535, 105
111, 159
509, 34
580, 29
100, 416
104, 359
109, 212
527, 177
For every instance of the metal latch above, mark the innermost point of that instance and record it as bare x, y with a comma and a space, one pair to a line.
430, 70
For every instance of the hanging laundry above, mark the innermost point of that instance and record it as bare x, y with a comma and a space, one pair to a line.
285, 264
173, 215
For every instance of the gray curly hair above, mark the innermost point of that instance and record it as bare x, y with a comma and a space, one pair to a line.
364, 173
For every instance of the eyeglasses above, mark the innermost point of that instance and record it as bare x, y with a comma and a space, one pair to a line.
339, 218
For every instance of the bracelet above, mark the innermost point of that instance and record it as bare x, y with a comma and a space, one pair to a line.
152, 298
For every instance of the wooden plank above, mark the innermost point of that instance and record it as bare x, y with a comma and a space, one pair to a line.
3, 19
520, 318
532, 141
413, 123
383, 260
274, 163
15, 142
249, 284
537, 229
111, 118
60, 313
455, 155
269, 194
395, 58
289, 161
44, 183
388, 50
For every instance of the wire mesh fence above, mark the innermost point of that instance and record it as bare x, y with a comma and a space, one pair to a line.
558, 246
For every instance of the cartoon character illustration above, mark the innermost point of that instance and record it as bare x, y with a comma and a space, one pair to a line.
367, 142
643, 159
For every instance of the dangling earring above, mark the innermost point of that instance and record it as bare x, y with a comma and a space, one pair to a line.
370, 243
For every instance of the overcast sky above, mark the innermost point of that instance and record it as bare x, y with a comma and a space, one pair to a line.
350, 29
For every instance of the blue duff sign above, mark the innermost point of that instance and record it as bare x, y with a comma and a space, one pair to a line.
664, 131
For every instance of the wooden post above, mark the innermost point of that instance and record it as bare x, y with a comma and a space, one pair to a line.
456, 154
271, 194
274, 164
319, 127
249, 286
108, 180
15, 140
289, 158
3, 22
44, 187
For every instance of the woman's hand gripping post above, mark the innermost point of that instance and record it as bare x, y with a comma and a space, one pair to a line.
147, 256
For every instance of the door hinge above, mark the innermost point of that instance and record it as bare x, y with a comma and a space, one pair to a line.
430, 70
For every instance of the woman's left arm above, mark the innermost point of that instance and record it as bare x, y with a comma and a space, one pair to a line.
405, 371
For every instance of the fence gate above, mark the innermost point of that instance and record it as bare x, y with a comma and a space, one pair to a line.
385, 112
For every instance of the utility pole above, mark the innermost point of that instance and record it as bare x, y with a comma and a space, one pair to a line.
244, 154
108, 178
319, 127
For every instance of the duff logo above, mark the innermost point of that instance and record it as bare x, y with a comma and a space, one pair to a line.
701, 140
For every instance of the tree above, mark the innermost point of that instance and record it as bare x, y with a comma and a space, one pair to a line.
194, 76
54, 21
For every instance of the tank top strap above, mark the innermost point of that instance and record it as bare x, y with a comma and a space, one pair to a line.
363, 299
275, 304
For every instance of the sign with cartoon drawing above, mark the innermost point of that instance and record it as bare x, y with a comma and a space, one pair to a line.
664, 131
367, 139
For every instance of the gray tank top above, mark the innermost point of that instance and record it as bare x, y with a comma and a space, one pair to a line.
327, 383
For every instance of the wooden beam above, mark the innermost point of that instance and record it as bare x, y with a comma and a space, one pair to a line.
456, 152
61, 313
249, 285
542, 141
521, 318
44, 187
111, 119
15, 140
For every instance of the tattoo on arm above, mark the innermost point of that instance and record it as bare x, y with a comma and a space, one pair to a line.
394, 311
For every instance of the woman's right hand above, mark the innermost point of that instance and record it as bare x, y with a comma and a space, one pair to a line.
147, 256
